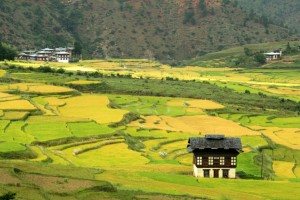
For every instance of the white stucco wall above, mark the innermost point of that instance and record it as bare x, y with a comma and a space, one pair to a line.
198, 172
63, 61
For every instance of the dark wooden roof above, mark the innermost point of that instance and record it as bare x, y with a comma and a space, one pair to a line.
214, 142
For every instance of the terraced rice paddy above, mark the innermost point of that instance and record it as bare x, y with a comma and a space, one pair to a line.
17, 105
194, 124
79, 145
284, 169
91, 107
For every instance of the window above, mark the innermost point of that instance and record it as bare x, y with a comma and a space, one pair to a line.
206, 173
233, 160
222, 160
199, 160
210, 160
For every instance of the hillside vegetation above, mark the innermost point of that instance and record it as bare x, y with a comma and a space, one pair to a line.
284, 13
160, 29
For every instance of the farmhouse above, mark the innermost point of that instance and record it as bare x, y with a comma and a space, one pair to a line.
215, 156
274, 55
57, 55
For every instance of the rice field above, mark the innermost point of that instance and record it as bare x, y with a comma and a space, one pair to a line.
284, 169
288, 137
93, 107
2, 73
48, 131
6, 146
76, 135
17, 105
200, 124
38, 88
83, 82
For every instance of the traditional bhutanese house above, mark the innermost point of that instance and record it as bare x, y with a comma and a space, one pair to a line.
215, 156
23, 56
40, 57
274, 55
65, 49
44, 54
62, 57
48, 50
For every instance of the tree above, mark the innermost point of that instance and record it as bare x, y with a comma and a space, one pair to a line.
8, 196
202, 5
7, 52
77, 48
247, 51
189, 17
260, 58
288, 48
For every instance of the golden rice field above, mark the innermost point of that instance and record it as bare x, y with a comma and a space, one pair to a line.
200, 124
14, 115
106, 157
2, 73
83, 82
55, 101
93, 107
17, 105
48, 89
297, 171
284, 169
9, 97
200, 104
285, 136
38, 88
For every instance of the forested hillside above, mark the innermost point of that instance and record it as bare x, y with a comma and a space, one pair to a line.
161, 29
284, 13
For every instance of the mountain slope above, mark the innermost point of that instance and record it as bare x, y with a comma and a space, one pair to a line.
285, 13
162, 29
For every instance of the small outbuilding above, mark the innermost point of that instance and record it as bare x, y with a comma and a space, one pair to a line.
215, 156
274, 55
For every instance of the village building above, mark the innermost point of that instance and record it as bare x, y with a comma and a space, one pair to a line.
62, 57
215, 156
274, 55
47, 54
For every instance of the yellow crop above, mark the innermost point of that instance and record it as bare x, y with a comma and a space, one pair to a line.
2, 73
285, 136
83, 82
14, 115
284, 169
201, 124
93, 107
49, 89
17, 105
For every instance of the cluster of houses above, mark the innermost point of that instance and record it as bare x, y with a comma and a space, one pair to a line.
60, 54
